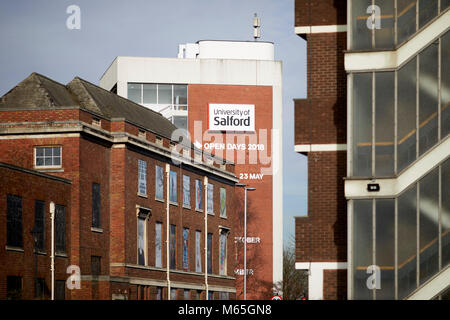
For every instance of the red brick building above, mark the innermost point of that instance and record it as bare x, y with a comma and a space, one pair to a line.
108, 162
320, 134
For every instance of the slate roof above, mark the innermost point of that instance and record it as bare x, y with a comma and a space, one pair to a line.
41, 93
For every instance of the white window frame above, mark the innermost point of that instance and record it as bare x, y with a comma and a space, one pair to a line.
51, 166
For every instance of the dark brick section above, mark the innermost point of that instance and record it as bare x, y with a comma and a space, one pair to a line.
335, 287
323, 12
321, 119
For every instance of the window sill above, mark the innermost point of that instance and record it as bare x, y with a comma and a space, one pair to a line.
199, 210
49, 169
224, 217
15, 249
160, 200
142, 195
97, 230
211, 213
173, 203
40, 253
187, 207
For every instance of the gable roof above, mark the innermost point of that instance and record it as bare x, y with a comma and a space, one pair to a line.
41, 93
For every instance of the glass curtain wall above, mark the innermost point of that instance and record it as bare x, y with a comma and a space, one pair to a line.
385, 24
407, 238
399, 115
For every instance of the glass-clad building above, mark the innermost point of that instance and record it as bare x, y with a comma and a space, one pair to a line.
398, 166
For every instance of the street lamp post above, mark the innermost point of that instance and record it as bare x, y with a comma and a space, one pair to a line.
245, 235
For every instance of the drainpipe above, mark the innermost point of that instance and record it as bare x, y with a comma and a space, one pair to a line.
205, 182
52, 256
167, 230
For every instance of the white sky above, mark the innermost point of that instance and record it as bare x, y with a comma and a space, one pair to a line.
34, 38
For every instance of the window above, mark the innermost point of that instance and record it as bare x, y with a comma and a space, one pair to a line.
142, 214
158, 245
142, 177
135, 92
158, 293
159, 141
210, 198
60, 290
173, 186
96, 265
185, 249
209, 253
198, 295
198, 254
198, 195
48, 157
180, 122
40, 288
159, 181
210, 295
39, 225
187, 294
223, 202
142, 134
224, 296
186, 191
60, 228
13, 288
14, 221
172, 247
223, 252
96, 205
149, 93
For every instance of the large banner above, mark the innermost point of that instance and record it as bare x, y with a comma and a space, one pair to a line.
232, 117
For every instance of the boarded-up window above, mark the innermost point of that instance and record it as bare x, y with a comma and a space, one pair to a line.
14, 221
13, 288
96, 205
209, 252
